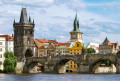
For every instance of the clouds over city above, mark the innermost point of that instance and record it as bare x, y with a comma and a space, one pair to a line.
54, 18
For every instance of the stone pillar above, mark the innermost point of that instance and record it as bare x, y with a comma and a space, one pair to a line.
19, 67
84, 68
48, 68
118, 66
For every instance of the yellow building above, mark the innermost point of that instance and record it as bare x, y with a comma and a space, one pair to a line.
77, 49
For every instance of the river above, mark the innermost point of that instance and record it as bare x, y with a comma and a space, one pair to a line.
59, 77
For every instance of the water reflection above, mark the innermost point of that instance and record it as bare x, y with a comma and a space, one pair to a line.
59, 77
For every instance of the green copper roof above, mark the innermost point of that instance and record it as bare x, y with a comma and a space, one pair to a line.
72, 44
85, 44
76, 25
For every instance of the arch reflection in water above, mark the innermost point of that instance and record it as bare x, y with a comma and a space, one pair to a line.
103, 66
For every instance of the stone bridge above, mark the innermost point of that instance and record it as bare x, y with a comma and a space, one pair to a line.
55, 64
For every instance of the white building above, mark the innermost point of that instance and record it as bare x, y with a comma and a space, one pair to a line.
6, 44
92, 45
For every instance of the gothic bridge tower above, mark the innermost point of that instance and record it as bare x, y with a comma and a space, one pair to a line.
23, 34
75, 34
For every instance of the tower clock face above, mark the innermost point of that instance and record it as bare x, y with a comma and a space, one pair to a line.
74, 36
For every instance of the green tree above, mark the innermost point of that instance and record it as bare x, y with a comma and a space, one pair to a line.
28, 53
118, 53
91, 50
10, 62
107, 63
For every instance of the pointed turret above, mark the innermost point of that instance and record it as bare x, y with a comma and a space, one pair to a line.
30, 20
14, 21
106, 40
33, 21
23, 16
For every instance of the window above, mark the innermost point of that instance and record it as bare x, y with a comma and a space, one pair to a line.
0, 49
74, 66
0, 55
77, 45
0, 43
74, 37
31, 32
0, 62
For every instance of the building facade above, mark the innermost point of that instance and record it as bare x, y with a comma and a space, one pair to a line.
93, 45
46, 47
63, 48
76, 49
6, 44
107, 47
23, 35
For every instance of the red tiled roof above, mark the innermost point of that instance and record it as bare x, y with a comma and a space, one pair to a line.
64, 44
109, 43
47, 41
8, 37
43, 46
114, 44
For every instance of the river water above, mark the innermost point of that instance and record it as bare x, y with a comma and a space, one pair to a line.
60, 77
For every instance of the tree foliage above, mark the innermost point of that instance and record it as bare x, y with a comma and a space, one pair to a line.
91, 50
107, 63
28, 53
118, 53
10, 62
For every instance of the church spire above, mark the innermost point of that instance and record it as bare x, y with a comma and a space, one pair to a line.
76, 24
23, 16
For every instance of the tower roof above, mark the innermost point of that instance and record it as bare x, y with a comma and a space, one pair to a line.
23, 16
106, 40
76, 25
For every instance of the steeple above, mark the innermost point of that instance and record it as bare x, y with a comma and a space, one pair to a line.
75, 34
23, 16
106, 40
76, 24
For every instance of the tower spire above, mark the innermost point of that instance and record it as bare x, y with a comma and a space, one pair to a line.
76, 24
23, 16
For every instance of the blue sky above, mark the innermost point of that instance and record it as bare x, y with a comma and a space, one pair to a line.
54, 18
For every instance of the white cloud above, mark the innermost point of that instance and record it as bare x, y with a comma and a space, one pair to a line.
42, 3
56, 21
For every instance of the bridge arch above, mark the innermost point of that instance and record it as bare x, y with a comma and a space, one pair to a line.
32, 66
59, 67
98, 62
